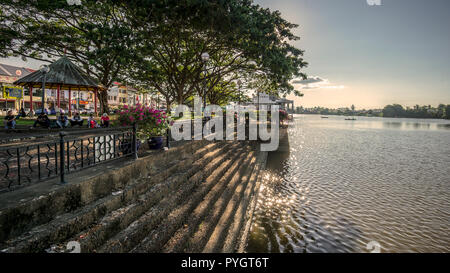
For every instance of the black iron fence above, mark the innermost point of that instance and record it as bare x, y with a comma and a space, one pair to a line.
65, 153
69, 152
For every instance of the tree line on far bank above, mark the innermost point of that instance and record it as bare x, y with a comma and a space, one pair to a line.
391, 111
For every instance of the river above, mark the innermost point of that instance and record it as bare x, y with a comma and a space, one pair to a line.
373, 184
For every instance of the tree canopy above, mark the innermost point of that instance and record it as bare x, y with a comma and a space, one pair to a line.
158, 44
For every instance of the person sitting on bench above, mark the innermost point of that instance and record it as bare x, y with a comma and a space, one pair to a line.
62, 121
76, 120
42, 120
105, 120
22, 113
10, 120
92, 123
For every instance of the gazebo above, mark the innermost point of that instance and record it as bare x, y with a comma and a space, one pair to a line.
63, 75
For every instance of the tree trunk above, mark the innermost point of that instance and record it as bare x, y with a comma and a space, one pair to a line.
168, 104
103, 98
180, 100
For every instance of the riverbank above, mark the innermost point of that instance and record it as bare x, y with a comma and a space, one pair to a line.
195, 197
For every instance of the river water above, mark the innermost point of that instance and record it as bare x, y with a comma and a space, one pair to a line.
373, 184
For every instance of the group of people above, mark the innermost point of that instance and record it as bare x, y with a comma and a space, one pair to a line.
62, 120
77, 120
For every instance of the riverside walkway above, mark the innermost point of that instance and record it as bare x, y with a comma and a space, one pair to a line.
193, 197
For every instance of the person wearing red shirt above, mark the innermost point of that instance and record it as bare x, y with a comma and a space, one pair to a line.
105, 120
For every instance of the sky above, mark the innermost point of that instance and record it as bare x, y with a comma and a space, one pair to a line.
371, 56
366, 55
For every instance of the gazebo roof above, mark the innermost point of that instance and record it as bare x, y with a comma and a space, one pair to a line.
284, 100
63, 73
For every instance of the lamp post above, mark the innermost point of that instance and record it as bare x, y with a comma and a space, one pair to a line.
239, 82
78, 101
44, 69
205, 58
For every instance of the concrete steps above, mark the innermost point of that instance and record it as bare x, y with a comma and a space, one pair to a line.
236, 235
212, 202
193, 198
232, 213
157, 235
63, 226
108, 226
112, 226
23, 209
239, 181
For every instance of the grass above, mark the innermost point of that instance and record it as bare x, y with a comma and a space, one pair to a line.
29, 122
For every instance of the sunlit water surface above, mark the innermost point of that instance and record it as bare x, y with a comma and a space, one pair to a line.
341, 184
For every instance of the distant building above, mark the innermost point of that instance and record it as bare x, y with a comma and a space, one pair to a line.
16, 97
265, 99
12, 97
120, 95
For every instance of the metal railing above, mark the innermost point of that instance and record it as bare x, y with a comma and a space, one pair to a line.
67, 153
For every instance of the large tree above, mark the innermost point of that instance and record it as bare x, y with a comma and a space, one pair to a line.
157, 43
241, 39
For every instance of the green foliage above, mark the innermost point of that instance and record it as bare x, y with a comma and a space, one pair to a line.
240, 37
158, 44
93, 35
446, 113
394, 110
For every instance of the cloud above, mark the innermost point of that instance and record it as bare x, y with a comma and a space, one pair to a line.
309, 80
315, 82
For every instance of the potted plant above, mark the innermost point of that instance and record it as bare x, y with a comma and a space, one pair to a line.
283, 115
151, 123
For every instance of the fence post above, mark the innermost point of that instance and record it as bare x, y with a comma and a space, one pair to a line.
61, 157
168, 138
134, 142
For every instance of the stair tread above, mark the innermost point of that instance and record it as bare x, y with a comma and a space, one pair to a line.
201, 224
143, 203
169, 201
222, 225
235, 228
94, 210
153, 242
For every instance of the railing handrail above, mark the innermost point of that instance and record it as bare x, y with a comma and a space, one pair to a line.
64, 151
92, 131
95, 130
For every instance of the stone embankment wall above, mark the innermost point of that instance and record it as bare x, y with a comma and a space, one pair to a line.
196, 197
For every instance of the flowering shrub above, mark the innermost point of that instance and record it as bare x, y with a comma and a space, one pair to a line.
150, 122
283, 115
